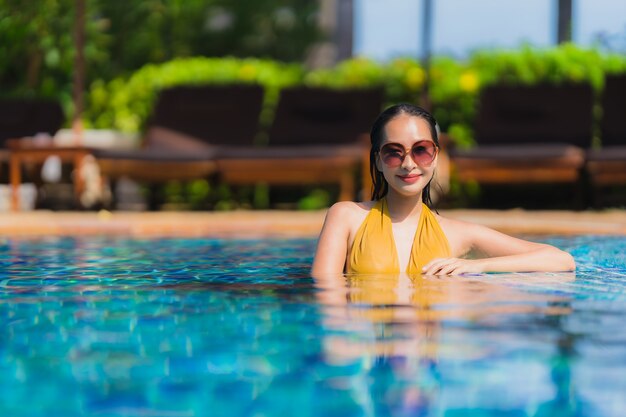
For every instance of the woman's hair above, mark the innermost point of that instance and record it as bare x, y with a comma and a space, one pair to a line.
377, 135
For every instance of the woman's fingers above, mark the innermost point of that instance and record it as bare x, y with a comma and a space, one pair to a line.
450, 266
432, 266
436, 266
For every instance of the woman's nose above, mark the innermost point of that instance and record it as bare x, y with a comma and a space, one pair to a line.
408, 163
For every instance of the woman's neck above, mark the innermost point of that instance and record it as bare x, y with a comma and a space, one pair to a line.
402, 207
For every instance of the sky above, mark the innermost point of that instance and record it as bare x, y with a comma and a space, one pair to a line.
384, 29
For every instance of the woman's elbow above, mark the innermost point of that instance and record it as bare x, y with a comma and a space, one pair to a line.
566, 261
570, 262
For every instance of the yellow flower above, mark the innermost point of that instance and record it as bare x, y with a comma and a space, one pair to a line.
468, 81
415, 78
247, 72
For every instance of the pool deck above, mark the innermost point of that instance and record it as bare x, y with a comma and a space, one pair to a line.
255, 224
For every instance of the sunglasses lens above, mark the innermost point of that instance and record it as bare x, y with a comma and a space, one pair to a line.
392, 155
423, 153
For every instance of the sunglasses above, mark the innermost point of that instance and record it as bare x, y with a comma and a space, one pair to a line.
422, 152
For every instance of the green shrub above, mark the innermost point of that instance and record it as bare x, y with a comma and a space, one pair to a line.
454, 88
125, 104
456, 85
351, 73
402, 79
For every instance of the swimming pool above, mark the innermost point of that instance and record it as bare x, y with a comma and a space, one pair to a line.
199, 327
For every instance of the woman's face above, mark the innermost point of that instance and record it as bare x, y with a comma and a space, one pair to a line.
409, 137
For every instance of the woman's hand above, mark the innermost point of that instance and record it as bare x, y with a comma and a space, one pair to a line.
546, 259
496, 252
452, 266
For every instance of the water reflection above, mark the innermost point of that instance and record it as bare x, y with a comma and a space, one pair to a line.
411, 334
404, 298
405, 313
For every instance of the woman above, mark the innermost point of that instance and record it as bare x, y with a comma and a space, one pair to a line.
397, 232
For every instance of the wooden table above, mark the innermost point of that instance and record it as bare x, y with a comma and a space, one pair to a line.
28, 150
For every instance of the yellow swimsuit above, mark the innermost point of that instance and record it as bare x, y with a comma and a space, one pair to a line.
374, 248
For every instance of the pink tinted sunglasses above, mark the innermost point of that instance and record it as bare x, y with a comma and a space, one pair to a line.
422, 152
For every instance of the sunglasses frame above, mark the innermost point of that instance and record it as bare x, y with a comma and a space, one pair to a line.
408, 151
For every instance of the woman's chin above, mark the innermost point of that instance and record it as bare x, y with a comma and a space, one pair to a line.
408, 191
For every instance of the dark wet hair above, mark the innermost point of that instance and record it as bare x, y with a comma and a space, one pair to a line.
377, 135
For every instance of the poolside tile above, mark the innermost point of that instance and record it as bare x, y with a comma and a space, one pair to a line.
252, 224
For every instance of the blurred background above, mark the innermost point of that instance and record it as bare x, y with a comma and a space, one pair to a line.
106, 62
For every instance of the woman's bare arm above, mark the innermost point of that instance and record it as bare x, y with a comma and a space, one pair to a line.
332, 246
500, 253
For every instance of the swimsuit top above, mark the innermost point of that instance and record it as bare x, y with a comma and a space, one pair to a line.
374, 248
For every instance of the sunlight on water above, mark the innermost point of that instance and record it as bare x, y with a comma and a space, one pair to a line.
176, 327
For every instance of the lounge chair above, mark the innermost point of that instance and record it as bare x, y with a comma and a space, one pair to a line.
318, 136
607, 166
184, 131
27, 117
529, 134
21, 118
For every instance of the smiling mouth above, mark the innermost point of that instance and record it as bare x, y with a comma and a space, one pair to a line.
409, 178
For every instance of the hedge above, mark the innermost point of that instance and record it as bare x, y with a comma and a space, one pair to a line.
125, 103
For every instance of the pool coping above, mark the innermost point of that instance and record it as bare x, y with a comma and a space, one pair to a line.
277, 223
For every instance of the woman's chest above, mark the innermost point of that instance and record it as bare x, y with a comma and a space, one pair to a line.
403, 237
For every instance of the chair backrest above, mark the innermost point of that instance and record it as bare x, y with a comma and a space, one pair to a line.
311, 116
27, 117
613, 124
215, 114
535, 114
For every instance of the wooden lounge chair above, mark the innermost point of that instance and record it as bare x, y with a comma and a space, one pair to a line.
607, 166
529, 134
318, 135
27, 117
187, 125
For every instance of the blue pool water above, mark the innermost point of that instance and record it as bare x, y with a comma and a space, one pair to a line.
174, 327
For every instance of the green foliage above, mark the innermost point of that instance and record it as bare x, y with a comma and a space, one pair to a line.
453, 92
456, 85
278, 29
157, 31
37, 49
351, 73
402, 79
316, 200
565, 63
37, 53
126, 104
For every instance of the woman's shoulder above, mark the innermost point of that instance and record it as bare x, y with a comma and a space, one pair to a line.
458, 224
343, 220
455, 227
350, 208
349, 212
449, 221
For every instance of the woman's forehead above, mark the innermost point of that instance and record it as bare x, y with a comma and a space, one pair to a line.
407, 128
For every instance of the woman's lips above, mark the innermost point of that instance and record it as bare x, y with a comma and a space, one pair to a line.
409, 179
